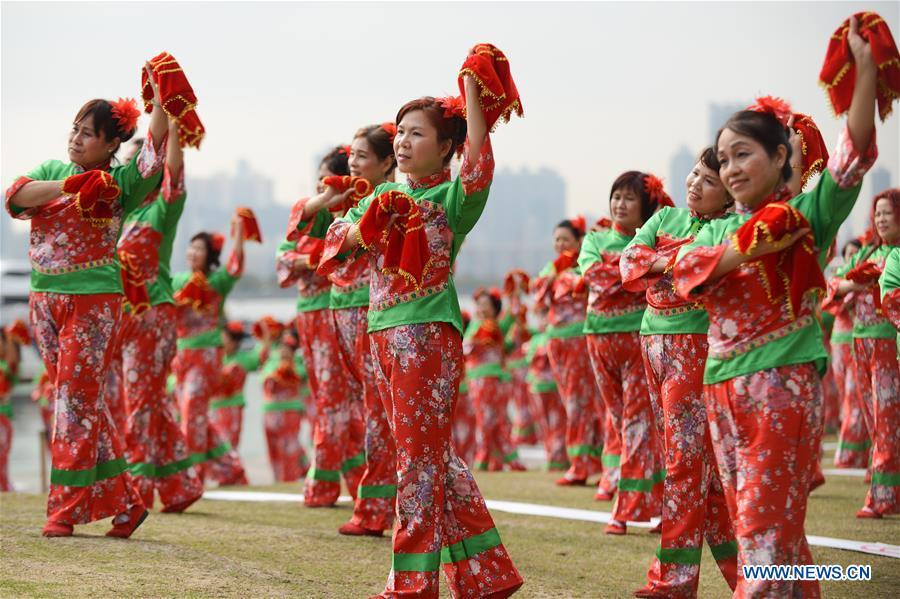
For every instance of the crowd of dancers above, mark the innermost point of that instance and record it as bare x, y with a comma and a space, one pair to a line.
691, 358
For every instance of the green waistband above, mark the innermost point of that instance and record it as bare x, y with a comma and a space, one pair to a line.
294, 405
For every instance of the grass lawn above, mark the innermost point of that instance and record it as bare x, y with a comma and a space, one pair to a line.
282, 549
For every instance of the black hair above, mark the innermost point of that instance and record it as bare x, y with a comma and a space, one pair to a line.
766, 130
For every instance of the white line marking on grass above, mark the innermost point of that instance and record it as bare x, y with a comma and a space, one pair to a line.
549, 511
855, 472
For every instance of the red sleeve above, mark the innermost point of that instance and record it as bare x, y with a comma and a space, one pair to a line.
476, 177
890, 305
15, 211
331, 254
695, 268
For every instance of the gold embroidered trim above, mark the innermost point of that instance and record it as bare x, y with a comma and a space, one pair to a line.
64, 270
615, 312
408, 297
666, 312
757, 342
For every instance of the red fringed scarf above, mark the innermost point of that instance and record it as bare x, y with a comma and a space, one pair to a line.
791, 273
285, 375
488, 333
249, 225
864, 273
138, 251
18, 332
95, 193
838, 74
490, 69
516, 279
275, 328
198, 294
361, 188
812, 147
177, 96
404, 243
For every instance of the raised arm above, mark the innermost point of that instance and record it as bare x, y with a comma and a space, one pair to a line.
476, 126
861, 117
158, 119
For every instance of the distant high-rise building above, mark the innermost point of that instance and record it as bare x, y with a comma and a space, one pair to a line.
516, 227
210, 205
719, 113
679, 166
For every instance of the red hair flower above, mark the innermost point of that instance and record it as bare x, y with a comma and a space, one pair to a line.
390, 129
579, 223
345, 150
453, 106
777, 107
653, 185
126, 113
217, 241
235, 327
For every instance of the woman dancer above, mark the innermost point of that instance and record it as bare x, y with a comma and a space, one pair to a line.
415, 330
559, 290
200, 299
673, 346
338, 430
765, 345
76, 210
157, 451
875, 355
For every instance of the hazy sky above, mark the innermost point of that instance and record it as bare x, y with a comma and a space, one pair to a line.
606, 86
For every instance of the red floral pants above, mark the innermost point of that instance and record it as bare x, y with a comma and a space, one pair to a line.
766, 428
286, 455
157, 451
489, 396
622, 380
377, 492
553, 426
464, 428
196, 371
572, 370
693, 504
89, 478
878, 381
854, 446
337, 443
442, 519
5, 445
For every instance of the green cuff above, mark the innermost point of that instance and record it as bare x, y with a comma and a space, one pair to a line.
354, 462
376, 491
235, 401
511, 457
294, 405
642, 485
557, 465
330, 476
850, 446
86, 478
684, 555
416, 562
886, 479
575, 451
6, 410
611, 460
724, 551
470, 547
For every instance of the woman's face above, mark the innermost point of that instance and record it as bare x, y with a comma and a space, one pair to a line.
705, 192
886, 221
849, 251
416, 146
196, 255
87, 147
625, 208
564, 240
484, 308
323, 172
229, 345
747, 171
365, 163
286, 352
